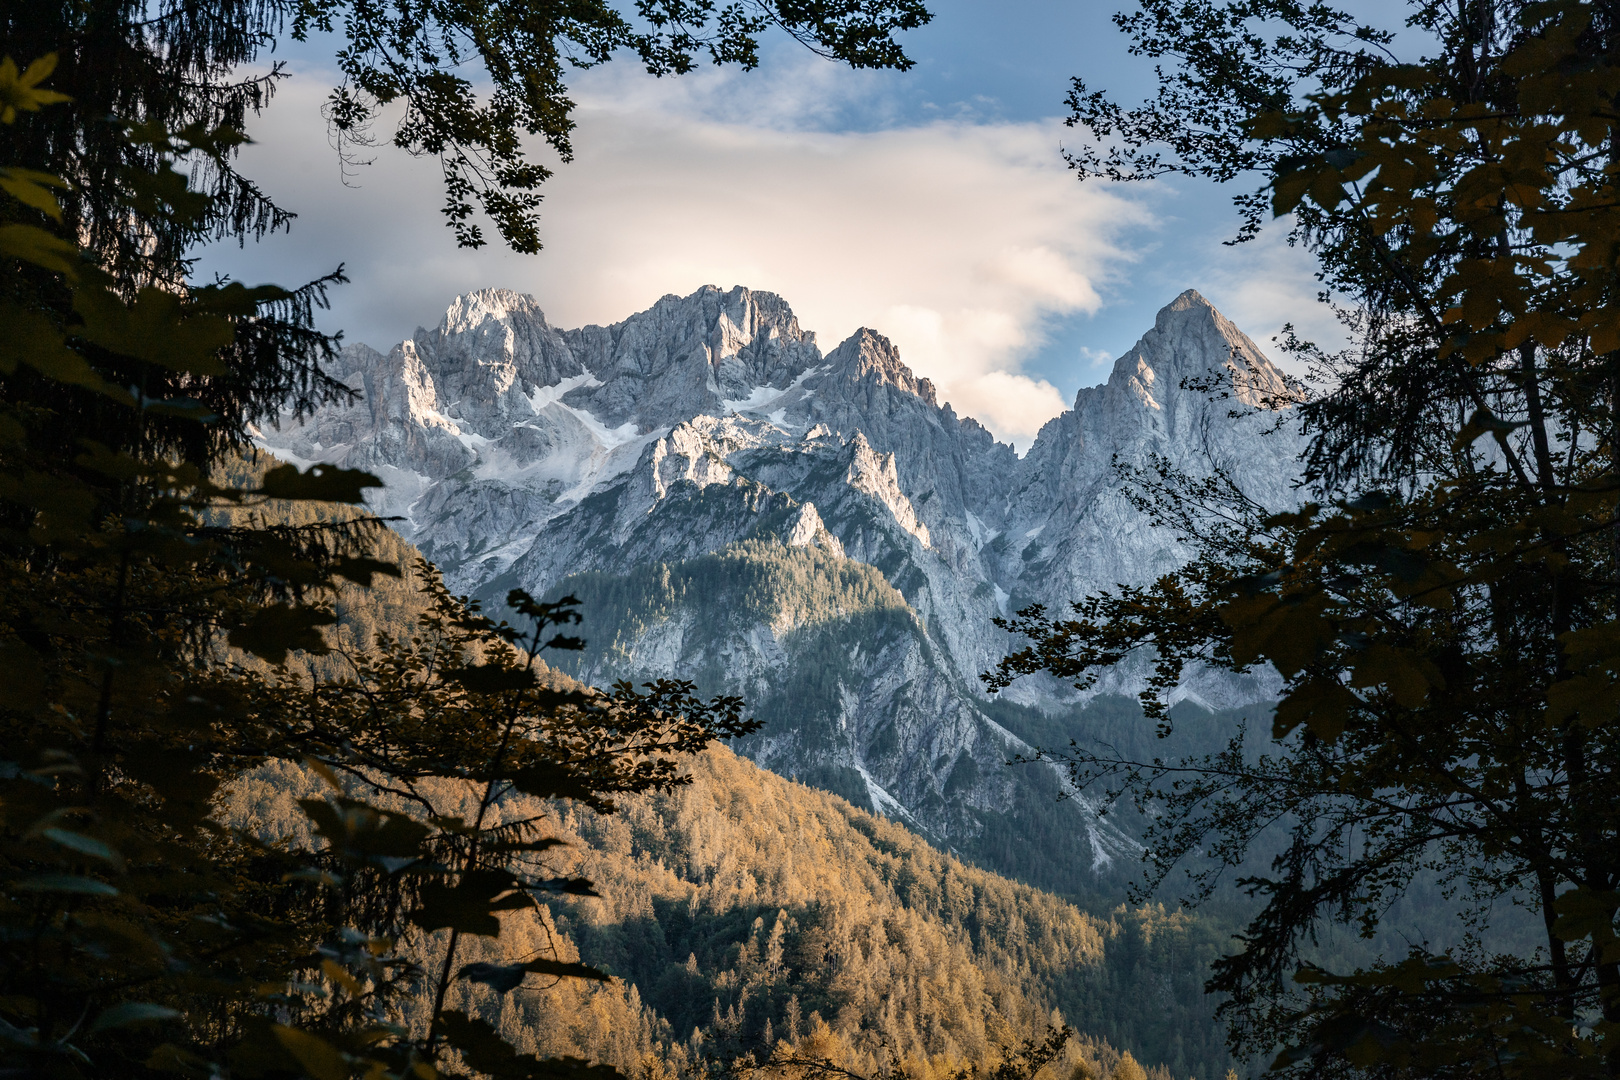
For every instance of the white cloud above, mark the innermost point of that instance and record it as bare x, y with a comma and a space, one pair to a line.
1266, 284
958, 240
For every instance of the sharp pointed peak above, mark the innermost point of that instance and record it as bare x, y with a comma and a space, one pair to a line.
1192, 308
868, 354
1190, 337
1190, 304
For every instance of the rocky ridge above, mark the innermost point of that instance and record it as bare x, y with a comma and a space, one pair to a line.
520, 454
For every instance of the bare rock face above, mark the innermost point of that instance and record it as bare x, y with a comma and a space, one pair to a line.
523, 455
1196, 394
805, 529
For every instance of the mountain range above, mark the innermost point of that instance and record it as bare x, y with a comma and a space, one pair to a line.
815, 531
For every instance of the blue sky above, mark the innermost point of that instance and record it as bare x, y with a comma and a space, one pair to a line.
931, 205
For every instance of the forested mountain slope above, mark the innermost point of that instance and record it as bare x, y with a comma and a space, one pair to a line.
748, 907
745, 891
745, 909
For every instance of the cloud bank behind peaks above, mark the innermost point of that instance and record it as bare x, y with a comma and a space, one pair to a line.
957, 239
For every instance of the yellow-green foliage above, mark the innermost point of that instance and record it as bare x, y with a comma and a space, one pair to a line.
770, 915
779, 892
765, 912
1127, 1069
388, 607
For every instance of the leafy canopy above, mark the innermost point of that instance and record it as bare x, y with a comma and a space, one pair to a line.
1443, 615
474, 80
152, 610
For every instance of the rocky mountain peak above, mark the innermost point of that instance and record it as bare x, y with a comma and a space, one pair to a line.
1194, 348
868, 355
805, 528
875, 474
472, 309
492, 350
1189, 300
720, 325
710, 352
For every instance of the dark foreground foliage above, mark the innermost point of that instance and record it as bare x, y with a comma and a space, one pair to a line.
149, 609
1444, 614
165, 625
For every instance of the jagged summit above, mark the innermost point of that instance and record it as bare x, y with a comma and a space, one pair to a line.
1189, 300
742, 306
867, 354
472, 308
1193, 343
519, 422
519, 454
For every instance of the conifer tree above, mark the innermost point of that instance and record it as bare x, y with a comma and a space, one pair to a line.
137, 933
1127, 1069
140, 935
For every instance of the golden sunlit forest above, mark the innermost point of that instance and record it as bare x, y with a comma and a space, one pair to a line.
745, 913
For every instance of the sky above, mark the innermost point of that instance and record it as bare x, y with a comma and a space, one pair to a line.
933, 206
